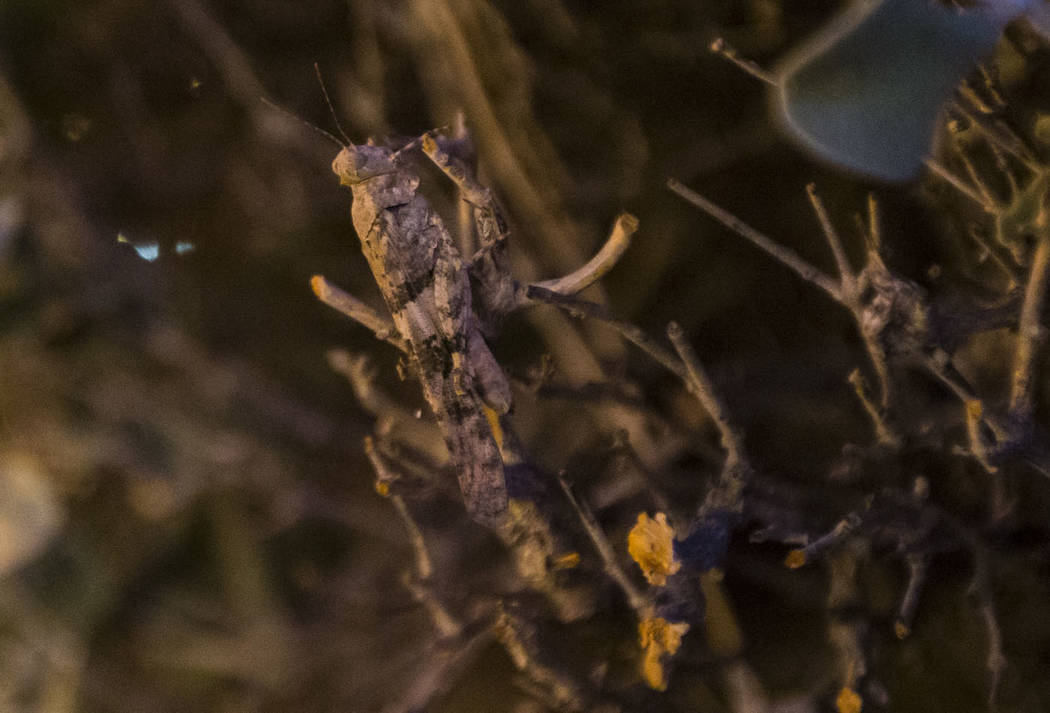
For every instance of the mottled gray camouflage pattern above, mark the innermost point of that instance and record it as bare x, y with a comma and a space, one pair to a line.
427, 289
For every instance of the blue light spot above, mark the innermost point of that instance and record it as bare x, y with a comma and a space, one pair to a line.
147, 251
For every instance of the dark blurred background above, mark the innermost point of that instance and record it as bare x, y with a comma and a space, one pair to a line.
190, 522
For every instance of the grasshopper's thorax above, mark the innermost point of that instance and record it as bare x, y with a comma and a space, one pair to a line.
388, 183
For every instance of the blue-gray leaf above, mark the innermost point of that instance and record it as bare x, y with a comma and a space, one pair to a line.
867, 91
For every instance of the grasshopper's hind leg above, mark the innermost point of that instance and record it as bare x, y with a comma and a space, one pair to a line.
497, 292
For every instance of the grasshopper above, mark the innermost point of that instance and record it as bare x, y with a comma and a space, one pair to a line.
427, 289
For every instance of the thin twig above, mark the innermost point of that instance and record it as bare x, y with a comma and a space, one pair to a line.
438, 672
723, 49
446, 624
1004, 170
847, 632
989, 81
1013, 274
603, 261
517, 638
1030, 332
700, 385
879, 362
918, 564
940, 367
635, 599
988, 198
884, 433
391, 417
1001, 136
466, 235
875, 349
787, 257
356, 310
744, 689
580, 309
874, 224
424, 567
844, 293
358, 370
980, 587
978, 447
955, 182
970, 94
799, 557
846, 276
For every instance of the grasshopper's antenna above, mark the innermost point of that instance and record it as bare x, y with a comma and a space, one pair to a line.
328, 100
303, 121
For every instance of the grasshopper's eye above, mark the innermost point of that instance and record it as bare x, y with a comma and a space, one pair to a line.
866, 92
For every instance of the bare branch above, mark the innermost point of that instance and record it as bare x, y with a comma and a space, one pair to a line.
978, 448
955, 182
1030, 332
992, 252
845, 527
358, 370
603, 261
981, 588
988, 198
723, 49
787, 257
874, 224
846, 275
444, 622
581, 308
701, 386
918, 564
1002, 136
884, 433
518, 639
438, 672
847, 632
635, 599
356, 310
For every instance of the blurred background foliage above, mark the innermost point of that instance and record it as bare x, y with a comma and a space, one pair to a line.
188, 518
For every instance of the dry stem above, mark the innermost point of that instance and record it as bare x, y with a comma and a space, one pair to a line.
356, 310
603, 261
700, 385
846, 275
1030, 332
723, 49
635, 599
787, 257
955, 182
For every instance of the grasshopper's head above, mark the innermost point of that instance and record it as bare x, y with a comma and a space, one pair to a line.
357, 163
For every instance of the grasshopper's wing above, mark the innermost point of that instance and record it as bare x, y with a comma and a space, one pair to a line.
432, 305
